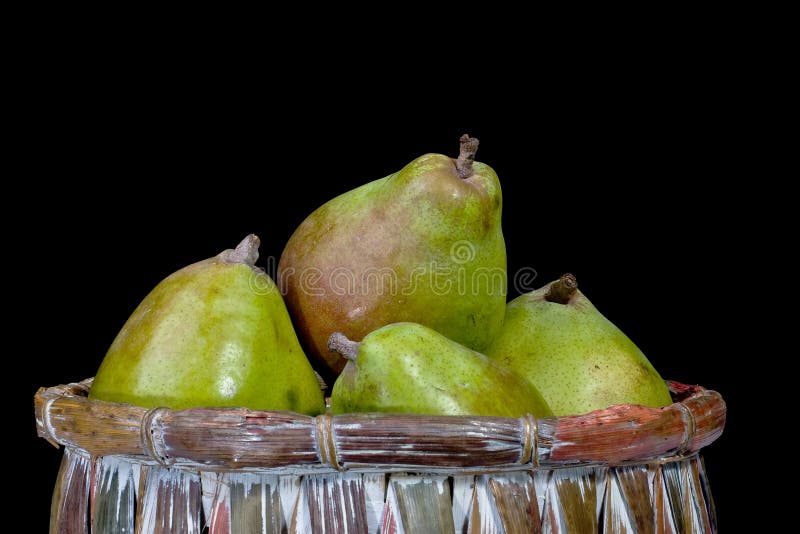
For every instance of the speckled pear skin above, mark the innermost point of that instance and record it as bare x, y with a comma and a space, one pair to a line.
215, 333
409, 368
579, 360
421, 220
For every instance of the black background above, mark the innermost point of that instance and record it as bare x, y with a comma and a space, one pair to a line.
617, 174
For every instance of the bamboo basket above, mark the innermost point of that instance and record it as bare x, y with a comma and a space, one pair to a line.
624, 469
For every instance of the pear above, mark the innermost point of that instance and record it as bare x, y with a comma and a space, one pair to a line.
422, 245
579, 360
409, 368
215, 333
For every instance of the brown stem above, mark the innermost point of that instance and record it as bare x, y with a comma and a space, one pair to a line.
338, 342
466, 155
245, 252
562, 289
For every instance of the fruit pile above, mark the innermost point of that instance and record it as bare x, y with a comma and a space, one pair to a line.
397, 293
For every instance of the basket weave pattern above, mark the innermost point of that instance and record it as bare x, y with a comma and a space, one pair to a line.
626, 468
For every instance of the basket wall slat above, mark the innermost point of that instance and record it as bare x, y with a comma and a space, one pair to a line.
255, 503
629, 501
333, 499
416, 501
170, 502
574, 498
463, 489
113, 508
505, 503
69, 511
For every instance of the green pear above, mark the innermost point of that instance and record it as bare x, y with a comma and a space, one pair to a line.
215, 333
579, 360
409, 368
422, 245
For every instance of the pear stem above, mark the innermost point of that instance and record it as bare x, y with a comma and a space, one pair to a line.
562, 289
466, 156
339, 343
245, 252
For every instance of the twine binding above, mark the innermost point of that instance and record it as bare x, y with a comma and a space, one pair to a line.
326, 445
530, 445
690, 428
47, 423
147, 433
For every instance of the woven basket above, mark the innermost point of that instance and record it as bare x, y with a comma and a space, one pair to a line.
625, 469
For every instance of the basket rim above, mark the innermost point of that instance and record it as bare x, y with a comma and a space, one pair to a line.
239, 438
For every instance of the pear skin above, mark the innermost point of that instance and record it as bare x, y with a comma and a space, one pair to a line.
579, 360
215, 333
409, 368
422, 245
